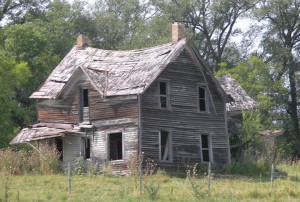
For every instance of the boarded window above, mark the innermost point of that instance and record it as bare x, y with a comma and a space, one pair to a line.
115, 146
86, 149
165, 146
205, 148
202, 98
59, 147
163, 95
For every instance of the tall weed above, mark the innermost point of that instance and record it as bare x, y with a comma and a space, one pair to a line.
17, 162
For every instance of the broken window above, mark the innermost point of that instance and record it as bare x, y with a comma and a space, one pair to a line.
165, 146
205, 148
202, 98
86, 148
163, 95
84, 105
59, 147
115, 146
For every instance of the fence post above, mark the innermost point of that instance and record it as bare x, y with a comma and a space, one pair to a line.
69, 179
209, 172
272, 178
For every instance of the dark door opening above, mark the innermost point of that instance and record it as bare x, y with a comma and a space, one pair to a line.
87, 148
115, 146
59, 147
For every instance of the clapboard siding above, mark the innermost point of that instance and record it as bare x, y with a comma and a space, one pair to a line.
66, 109
99, 150
183, 119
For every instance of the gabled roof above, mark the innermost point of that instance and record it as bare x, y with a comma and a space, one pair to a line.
115, 73
111, 72
239, 99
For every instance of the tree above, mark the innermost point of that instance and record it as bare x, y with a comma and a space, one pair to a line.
256, 77
16, 10
13, 75
281, 46
212, 23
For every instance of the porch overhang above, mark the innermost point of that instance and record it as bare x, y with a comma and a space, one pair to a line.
42, 131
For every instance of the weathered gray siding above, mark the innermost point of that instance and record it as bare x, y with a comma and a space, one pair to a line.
66, 108
99, 143
183, 119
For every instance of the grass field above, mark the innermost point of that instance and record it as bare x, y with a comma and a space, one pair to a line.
108, 188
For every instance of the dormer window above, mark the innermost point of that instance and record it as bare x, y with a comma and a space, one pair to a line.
163, 95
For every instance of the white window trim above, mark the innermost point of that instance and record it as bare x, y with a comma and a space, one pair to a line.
210, 151
170, 147
108, 144
168, 105
206, 99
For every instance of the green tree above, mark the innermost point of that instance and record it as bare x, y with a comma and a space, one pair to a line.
281, 42
13, 75
211, 22
15, 11
256, 77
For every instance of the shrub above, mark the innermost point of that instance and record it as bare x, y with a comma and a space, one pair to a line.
248, 168
80, 166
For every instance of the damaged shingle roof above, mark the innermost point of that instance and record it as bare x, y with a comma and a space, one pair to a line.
112, 72
239, 99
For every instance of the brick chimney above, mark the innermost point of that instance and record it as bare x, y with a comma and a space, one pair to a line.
82, 41
177, 32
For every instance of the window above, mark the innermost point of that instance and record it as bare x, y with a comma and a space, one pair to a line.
205, 148
115, 146
202, 98
163, 95
165, 146
86, 148
85, 97
84, 111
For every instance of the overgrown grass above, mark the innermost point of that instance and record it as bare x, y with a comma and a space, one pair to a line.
44, 159
161, 187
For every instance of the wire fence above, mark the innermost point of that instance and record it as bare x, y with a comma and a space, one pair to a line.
159, 186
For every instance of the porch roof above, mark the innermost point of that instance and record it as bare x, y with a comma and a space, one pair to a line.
43, 131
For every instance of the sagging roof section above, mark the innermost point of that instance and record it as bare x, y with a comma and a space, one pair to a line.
43, 131
111, 72
239, 99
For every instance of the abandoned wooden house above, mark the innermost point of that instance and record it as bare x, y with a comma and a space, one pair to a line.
107, 105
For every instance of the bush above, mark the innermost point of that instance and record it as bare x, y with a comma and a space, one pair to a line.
249, 168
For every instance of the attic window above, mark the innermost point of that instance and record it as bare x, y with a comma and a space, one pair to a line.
85, 97
163, 95
202, 98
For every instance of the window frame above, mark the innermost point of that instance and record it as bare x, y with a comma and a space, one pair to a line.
206, 99
108, 144
170, 146
82, 99
167, 95
209, 149
84, 143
